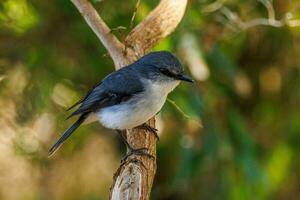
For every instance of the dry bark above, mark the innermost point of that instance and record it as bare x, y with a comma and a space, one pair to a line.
134, 178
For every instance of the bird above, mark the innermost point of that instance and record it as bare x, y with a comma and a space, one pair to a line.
129, 97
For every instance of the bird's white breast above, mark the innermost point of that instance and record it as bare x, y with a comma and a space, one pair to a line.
138, 109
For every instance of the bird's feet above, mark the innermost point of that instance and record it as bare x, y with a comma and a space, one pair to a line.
138, 152
132, 151
147, 127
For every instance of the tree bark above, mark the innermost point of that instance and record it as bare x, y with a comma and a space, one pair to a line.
134, 178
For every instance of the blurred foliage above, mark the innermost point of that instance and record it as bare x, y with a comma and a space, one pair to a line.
247, 96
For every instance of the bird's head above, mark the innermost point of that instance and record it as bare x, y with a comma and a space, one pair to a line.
163, 66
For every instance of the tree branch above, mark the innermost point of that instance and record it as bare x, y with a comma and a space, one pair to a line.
237, 23
103, 32
134, 178
157, 25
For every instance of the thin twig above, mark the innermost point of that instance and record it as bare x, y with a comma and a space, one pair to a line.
198, 122
134, 14
121, 32
269, 7
213, 6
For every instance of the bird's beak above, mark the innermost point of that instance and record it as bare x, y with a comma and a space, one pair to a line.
186, 78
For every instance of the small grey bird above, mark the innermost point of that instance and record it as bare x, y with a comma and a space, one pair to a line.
129, 97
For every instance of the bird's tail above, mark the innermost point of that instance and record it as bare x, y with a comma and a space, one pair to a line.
67, 134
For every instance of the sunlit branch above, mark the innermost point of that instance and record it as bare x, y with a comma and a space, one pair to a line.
103, 32
271, 20
293, 23
157, 25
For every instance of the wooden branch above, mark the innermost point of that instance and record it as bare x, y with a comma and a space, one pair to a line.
157, 25
134, 178
110, 42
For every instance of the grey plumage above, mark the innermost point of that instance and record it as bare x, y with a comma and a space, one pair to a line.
121, 100
115, 88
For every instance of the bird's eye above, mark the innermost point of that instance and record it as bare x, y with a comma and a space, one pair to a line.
166, 72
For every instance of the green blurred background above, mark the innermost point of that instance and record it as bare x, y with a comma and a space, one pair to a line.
247, 97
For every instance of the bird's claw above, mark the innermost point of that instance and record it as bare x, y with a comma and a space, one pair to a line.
151, 129
139, 152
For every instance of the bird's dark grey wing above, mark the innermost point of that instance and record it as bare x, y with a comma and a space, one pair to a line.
82, 99
116, 88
